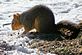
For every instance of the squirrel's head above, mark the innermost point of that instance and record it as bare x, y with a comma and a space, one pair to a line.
15, 22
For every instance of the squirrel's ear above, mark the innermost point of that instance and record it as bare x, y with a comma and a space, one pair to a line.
18, 15
14, 16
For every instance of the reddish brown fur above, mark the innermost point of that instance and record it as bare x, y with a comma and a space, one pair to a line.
15, 23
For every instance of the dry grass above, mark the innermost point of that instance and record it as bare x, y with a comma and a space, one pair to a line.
63, 47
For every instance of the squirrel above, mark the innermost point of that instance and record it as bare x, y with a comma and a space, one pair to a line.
39, 17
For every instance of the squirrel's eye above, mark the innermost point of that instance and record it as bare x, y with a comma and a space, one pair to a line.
13, 21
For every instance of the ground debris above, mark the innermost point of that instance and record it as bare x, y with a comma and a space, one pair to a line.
70, 47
